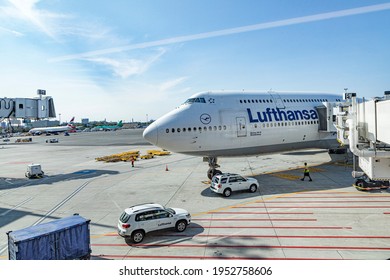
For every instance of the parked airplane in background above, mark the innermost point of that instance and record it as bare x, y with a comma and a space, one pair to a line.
225, 124
53, 129
108, 127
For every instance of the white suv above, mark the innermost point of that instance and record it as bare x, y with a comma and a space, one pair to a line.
226, 183
138, 220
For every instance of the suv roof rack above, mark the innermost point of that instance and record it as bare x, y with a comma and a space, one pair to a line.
142, 204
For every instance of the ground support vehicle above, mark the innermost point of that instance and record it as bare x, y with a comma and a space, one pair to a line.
140, 219
226, 183
34, 171
52, 140
64, 239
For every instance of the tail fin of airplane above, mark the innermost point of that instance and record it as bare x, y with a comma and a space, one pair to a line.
70, 123
120, 124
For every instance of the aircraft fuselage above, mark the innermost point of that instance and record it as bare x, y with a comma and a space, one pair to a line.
215, 124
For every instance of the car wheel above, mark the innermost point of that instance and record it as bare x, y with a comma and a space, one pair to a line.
253, 188
227, 192
181, 226
137, 236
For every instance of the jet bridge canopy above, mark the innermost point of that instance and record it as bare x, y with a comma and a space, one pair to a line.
326, 117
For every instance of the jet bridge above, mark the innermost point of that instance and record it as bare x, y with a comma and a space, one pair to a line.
364, 126
28, 108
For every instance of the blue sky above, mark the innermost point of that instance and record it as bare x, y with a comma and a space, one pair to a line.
126, 60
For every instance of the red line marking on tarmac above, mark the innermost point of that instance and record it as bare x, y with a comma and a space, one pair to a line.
248, 247
278, 227
270, 236
354, 196
265, 219
328, 207
279, 236
386, 213
203, 257
263, 213
329, 201
322, 193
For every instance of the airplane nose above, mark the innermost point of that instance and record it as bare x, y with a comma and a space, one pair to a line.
150, 134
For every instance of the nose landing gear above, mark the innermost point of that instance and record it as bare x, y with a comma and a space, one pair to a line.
213, 167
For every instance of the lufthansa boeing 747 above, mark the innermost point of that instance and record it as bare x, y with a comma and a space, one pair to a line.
225, 124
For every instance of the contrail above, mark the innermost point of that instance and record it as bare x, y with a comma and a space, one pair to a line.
230, 31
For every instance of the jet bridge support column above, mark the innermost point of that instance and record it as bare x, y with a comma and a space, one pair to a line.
364, 127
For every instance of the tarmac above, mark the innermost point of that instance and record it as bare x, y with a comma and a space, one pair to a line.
286, 219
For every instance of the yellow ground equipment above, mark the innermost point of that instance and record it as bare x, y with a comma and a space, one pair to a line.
158, 153
148, 156
125, 156
23, 140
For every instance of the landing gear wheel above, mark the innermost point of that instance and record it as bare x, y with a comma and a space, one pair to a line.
212, 172
227, 192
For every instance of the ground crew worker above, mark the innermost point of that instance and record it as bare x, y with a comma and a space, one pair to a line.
132, 161
306, 172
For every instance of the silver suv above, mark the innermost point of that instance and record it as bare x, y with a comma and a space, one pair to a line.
226, 183
138, 220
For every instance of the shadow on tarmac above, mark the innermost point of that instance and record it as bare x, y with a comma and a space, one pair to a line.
11, 215
325, 177
12, 183
167, 237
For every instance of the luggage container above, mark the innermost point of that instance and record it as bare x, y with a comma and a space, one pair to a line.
64, 239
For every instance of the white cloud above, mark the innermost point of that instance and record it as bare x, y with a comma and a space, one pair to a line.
172, 83
125, 67
52, 24
10, 31
230, 31
26, 10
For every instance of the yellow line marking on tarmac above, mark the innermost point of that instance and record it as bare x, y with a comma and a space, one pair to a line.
102, 235
314, 169
287, 176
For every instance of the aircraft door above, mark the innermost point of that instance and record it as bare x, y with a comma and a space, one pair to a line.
278, 101
241, 127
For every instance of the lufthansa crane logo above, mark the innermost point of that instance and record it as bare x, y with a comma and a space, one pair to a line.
205, 118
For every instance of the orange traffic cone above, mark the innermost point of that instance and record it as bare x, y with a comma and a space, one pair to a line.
166, 167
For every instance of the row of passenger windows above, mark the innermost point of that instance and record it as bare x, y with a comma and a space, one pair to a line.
220, 127
284, 100
200, 129
277, 124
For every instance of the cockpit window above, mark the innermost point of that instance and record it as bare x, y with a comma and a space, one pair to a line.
195, 100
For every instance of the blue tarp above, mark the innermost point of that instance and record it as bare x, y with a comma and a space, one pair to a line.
63, 239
